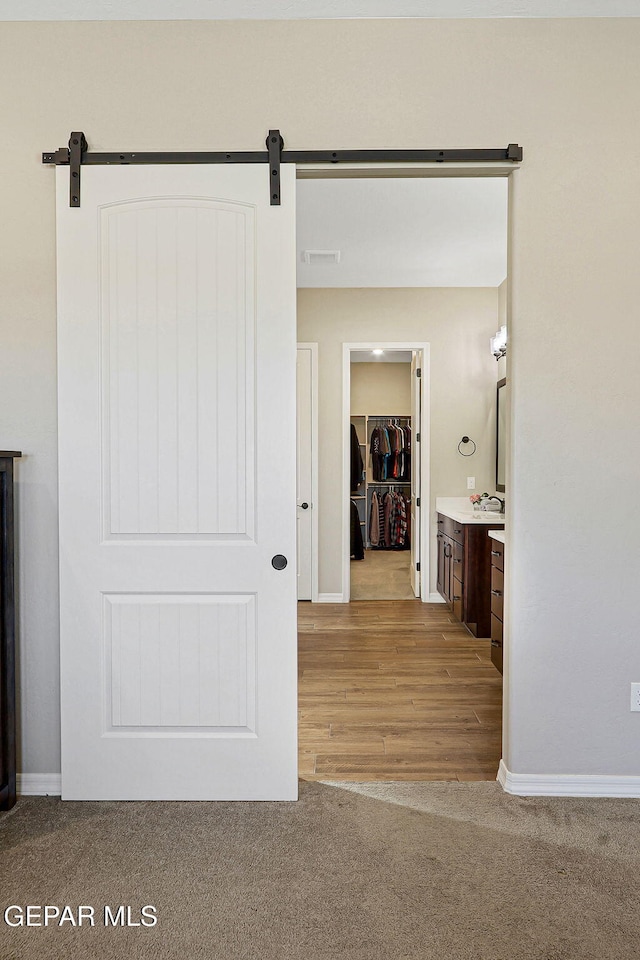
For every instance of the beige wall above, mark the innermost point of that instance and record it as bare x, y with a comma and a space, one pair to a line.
381, 388
457, 323
565, 90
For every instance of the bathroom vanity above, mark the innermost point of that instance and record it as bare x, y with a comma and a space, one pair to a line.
464, 564
496, 538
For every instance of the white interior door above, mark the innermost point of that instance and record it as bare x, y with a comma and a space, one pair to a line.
176, 353
416, 413
304, 475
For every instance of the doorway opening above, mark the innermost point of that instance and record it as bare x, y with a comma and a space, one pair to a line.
394, 684
385, 398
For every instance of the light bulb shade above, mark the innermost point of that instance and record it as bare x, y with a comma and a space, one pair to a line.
499, 343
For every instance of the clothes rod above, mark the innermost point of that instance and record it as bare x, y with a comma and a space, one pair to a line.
389, 483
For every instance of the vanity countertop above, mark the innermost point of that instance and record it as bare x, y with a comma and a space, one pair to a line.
460, 509
496, 535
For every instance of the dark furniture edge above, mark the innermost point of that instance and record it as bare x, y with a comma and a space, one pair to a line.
7, 634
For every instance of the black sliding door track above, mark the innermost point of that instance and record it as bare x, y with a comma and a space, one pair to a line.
77, 155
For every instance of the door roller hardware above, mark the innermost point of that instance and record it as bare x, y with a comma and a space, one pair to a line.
77, 146
275, 143
77, 155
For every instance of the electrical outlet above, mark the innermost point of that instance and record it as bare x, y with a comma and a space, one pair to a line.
471, 483
635, 696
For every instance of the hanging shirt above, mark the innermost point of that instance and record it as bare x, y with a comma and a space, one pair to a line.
374, 520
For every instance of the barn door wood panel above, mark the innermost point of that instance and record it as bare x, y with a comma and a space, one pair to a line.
177, 389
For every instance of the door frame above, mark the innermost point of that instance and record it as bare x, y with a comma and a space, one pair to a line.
424, 447
313, 348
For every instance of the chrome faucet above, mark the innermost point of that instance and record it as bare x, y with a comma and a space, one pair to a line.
501, 502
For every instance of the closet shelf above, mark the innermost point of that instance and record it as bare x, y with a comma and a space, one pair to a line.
389, 483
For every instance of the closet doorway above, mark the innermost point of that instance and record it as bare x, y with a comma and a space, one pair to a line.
385, 438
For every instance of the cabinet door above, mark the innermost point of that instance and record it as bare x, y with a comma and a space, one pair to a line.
448, 569
440, 584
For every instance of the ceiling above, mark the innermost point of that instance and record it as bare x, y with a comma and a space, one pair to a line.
307, 9
440, 232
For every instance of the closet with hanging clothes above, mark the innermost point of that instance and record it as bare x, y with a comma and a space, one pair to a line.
389, 490
383, 497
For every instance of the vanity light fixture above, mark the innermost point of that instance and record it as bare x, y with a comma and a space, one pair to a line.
499, 343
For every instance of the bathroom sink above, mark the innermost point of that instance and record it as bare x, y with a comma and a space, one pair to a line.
485, 515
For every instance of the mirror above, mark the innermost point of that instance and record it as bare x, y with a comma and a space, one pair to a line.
501, 434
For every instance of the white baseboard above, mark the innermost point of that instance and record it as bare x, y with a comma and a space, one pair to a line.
567, 785
39, 784
519, 784
339, 598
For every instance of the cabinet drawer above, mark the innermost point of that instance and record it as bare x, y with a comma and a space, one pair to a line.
497, 554
496, 642
457, 595
451, 528
457, 560
456, 608
497, 593
445, 525
457, 531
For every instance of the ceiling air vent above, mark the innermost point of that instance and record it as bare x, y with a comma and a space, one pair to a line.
320, 256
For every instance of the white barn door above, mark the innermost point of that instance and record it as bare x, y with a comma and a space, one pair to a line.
177, 392
305, 467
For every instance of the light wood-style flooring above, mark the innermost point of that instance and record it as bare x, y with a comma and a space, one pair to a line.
382, 575
395, 691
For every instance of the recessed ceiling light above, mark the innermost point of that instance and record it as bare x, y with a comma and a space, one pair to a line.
377, 353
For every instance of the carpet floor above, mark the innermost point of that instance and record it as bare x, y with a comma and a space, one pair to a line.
453, 871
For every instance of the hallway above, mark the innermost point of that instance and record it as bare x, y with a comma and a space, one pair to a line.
382, 575
395, 691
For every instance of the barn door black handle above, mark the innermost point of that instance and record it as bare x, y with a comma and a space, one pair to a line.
278, 562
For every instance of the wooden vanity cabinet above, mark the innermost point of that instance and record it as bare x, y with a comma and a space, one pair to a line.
497, 602
464, 572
